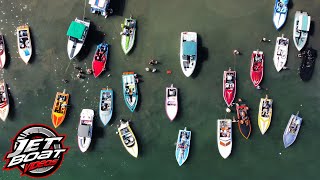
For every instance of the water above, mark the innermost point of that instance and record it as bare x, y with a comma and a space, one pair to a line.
222, 26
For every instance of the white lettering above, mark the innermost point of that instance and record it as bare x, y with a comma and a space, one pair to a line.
33, 145
34, 154
16, 160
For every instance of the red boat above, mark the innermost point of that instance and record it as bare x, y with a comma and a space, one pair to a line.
229, 86
100, 59
256, 70
243, 119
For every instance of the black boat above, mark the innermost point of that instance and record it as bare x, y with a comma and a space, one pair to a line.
307, 64
243, 119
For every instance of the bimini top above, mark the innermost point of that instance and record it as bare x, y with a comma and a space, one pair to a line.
99, 3
304, 23
189, 48
76, 30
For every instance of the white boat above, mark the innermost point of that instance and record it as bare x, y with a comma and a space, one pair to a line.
301, 28
224, 137
85, 129
2, 52
291, 132
4, 101
106, 105
128, 139
171, 102
77, 34
24, 43
188, 52
281, 52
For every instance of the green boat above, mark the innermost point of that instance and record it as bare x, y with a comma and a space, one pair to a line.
128, 34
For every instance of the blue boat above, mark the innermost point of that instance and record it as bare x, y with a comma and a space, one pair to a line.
183, 146
130, 89
106, 105
291, 132
99, 6
280, 13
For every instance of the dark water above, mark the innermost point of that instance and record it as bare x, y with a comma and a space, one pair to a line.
221, 26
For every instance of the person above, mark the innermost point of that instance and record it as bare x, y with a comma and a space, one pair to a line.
108, 12
77, 68
89, 71
265, 40
147, 69
125, 31
236, 52
65, 81
154, 70
79, 76
109, 75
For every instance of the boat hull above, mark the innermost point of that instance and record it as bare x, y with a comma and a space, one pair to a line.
2, 52
183, 146
256, 70
188, 61
106, 105
264, 116
124, 130
291, 132
130, 90
229, 86
24, 43
171, 102
281, 53
4, 101
224, 137
85, 128
59, 109
127, 41
100, 58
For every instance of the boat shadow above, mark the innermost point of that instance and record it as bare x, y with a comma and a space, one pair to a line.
114, 111
33, 49
117, 7
12, 111
180, 101
138, 138
94, 37
139, 94
203, 55
8, 58
97, 132
290, 5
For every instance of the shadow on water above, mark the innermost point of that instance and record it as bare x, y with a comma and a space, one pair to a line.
93, 38
180, 110
97, 133
8, 58
290, 5
11, 104
139, 94
118, 7
203, 54
138, 138
33, 55
114, 110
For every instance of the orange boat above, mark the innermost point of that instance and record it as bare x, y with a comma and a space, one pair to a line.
59, 109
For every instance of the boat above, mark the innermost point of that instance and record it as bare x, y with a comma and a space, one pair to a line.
100, 59
265, 114
4, 101
2, 52
24, 43
77, 34
188, 52
243, 119
106, 105
171, 102
59, 109
301, 28
130, 90
291, 132
224, 137
256, 70
128, 34
229, 86
183, 146
281, 52
307, 64
99, 6
85, 129
127, 137
280, 13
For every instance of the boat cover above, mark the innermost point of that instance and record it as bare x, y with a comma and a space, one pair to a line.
304, 22
84, 131
76, 30
189, 48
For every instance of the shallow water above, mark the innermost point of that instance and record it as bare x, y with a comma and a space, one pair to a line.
221, 26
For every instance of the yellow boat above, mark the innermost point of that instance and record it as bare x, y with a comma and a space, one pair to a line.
265, 113
128, 139
59, 109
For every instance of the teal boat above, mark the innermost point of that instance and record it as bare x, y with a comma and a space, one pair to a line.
130, 90
106, 105
128, 34
183, 146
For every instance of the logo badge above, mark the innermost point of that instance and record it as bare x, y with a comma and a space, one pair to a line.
37, 151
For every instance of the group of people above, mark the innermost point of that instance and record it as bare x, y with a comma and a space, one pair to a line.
152, 62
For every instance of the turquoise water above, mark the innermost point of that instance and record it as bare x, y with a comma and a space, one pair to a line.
221, 26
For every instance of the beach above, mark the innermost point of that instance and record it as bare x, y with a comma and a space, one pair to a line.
222, 26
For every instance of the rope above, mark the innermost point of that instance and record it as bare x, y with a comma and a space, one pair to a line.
84, 9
